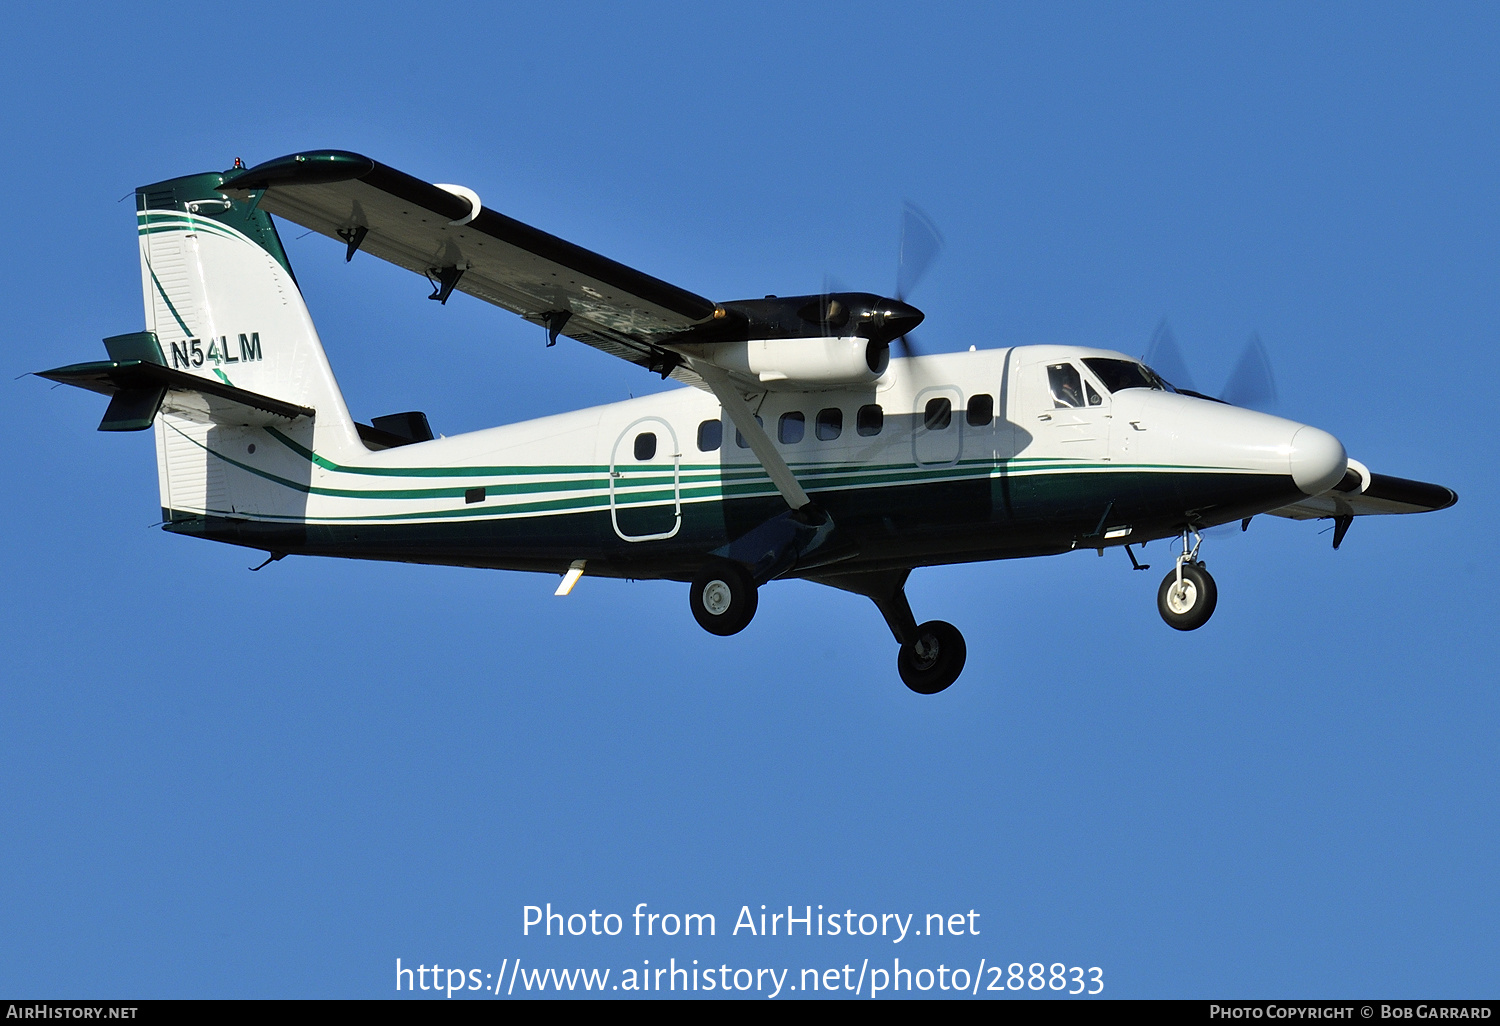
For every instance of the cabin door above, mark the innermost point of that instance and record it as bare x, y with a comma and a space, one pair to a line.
645, 482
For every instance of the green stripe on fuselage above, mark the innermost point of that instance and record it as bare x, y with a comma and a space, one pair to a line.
657, 488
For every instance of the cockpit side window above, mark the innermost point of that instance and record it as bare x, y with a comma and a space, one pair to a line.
1066, 385
1118, 375
1095, 399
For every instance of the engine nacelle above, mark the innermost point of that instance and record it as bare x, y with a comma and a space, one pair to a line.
800, 364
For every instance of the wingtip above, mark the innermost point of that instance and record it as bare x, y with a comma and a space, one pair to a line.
308, 167
1412, 493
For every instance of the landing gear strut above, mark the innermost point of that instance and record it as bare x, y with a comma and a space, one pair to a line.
932, 655
1188, 595
723, 596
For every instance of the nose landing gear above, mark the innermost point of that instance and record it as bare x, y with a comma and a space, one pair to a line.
1188, 595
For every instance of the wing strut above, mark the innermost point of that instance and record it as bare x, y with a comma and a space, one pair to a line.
760, 443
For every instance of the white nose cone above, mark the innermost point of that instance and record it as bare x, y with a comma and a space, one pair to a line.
1318, 460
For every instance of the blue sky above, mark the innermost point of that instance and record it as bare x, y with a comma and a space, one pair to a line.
215, 783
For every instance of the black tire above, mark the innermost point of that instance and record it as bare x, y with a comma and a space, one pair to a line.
939, 662
1189, 609
723, 598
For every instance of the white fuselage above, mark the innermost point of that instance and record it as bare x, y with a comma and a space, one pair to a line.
657, 474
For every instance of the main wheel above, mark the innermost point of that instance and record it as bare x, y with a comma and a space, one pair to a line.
934, 660
1189, 605
723, 598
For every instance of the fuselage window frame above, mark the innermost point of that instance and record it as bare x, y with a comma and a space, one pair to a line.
710, 435
870, 420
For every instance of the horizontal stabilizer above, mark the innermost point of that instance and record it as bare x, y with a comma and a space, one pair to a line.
139, 386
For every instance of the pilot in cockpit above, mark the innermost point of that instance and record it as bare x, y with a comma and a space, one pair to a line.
1063, 377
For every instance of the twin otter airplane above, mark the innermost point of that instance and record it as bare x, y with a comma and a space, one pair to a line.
801, 449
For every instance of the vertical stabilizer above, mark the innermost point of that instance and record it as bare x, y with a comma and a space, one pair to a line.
221, 299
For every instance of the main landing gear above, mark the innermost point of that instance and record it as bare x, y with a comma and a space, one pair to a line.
1188, 595
723, 598
932, 655
933, 659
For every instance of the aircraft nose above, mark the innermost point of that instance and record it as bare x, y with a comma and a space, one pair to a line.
1318, 460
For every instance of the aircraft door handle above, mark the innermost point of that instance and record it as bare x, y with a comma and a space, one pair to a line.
1137, 425
1044, 416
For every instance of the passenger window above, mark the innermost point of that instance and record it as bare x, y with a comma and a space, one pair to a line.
791, 428
869, 420
981, 410
830, 423
739, 439
1094, 399
645, 445
938, 415
710, 435
1067, 386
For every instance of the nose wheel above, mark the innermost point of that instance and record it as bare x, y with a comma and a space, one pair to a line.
1188, 595
723, 598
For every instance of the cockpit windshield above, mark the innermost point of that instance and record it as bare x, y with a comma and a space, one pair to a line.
1118, 375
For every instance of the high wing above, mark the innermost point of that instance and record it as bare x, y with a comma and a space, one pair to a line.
445, 234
